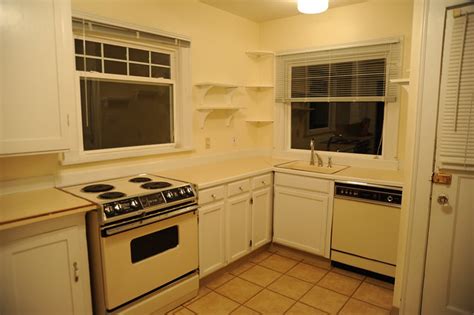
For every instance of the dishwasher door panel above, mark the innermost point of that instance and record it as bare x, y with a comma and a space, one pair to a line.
366, 230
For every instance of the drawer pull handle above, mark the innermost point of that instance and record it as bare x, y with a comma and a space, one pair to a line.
76, 272
213, 196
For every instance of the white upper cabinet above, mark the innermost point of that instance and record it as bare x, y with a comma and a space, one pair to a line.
36, 77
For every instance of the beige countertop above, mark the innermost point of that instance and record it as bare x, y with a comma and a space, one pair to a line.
38, 205
212, 174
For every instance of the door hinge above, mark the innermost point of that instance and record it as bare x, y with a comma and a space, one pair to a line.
250, 243
251, 201
441, 178
67, 120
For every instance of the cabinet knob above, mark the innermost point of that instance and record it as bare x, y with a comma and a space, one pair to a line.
263, 182
240, 187
213, 196
443, 200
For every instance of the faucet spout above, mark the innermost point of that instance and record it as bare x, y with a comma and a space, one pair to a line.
313, 153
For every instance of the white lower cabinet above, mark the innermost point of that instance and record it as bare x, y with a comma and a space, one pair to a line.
45, 268
302, 213
238, 225
211, 238
234, 219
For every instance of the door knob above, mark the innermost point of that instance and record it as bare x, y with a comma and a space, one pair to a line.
443, 200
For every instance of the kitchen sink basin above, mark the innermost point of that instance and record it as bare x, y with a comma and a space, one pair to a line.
305, 166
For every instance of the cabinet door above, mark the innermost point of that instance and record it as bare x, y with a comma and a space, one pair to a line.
238, 227
261, 217
211, 238
37, 76
300, 219
46, 274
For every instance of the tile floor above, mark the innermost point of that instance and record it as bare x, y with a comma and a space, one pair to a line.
282, 281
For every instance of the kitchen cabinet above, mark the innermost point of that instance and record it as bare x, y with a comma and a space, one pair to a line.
303, 212
45, 268
37, 77
235, 218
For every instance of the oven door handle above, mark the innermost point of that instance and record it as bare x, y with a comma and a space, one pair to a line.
109, 231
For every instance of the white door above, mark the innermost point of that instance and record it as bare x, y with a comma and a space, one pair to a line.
43, 274
211, 238
37, 75
261, 217
449, 274
300, 219
238, 227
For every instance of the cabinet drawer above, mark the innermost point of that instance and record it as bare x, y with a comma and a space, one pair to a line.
261, 181
303, 182
211, 194
238, 187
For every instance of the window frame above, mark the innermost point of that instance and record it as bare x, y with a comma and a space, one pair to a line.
282, 126
182, 114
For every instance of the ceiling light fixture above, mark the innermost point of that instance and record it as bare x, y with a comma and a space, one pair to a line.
312, 6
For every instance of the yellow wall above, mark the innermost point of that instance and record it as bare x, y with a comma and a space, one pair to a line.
370, 20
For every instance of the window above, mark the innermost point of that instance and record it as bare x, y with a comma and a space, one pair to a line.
339, 97
133, 92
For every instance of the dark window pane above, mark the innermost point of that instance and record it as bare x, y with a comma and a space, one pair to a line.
160, 59
139, 70
80, 63
93, 49
160, 72
115, 67
154, 243
138, 55
114, 51
354, 127
123, 114
93, 65
79, 46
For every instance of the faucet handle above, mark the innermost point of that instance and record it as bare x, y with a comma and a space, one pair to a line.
329, 162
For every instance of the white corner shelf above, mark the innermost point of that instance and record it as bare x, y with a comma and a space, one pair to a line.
204, 112
403, 82
260, 53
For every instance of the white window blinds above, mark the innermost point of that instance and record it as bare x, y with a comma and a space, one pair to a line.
352, 74
456, 120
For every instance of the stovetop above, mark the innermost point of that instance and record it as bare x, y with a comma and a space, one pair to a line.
134, 195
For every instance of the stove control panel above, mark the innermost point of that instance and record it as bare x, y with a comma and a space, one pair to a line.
180, 193
123, 206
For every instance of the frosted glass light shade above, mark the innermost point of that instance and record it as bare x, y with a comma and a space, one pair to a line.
312, 6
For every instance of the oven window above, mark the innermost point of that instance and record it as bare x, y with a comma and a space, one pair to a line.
152, 244
117, 114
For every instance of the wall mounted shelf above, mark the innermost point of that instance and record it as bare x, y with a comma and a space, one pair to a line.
259, 122
260, 53
205, 87
204, 112
259, 86
404, 82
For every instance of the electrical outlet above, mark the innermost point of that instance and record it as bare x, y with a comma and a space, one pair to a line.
207, 143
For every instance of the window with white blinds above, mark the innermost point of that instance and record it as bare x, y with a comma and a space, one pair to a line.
350, 74
456, 120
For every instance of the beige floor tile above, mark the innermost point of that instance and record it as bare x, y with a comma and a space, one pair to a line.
356, 307
260, 275
375, 295
290, 253
380, 283
278, 263
351, 274
213, 303
181, 311
241, 267
303, 309
339, 283
239, 290
268, 302
307, 272
261, 256
317, 262
218, 280
290, 287
203, 290
242, 310
324, 299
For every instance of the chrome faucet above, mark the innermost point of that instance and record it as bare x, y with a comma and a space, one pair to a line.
313, 153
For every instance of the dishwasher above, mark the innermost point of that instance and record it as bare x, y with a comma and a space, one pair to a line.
366, 220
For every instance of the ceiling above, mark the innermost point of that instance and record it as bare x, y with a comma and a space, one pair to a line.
266, 10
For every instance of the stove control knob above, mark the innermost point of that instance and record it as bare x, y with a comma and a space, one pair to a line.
134, 203
182, 191
118, 208
109, 210
189, 190
169, 194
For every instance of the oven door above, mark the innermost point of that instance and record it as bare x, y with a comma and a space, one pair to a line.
141, 259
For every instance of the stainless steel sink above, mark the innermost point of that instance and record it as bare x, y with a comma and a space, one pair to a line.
305, 166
